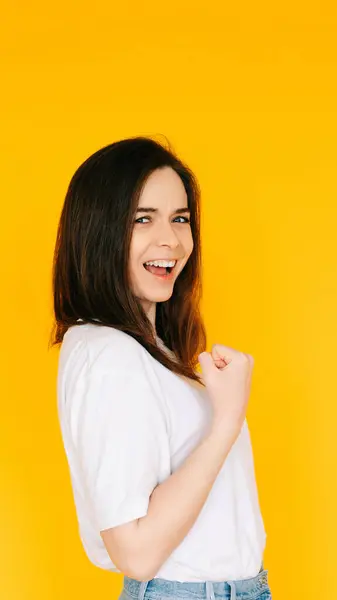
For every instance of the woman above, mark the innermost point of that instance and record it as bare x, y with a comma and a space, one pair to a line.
159, 455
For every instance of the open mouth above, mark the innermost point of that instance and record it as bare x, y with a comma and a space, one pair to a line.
159, 271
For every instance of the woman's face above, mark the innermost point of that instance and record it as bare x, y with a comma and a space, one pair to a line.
162, 233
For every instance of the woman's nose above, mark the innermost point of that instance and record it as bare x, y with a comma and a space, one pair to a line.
166, 235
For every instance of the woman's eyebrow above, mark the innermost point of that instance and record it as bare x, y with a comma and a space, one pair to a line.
150, 209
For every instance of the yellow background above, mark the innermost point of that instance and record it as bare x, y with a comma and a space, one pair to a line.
247, 95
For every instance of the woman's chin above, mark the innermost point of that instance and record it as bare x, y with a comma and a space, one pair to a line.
160, 297
156, 295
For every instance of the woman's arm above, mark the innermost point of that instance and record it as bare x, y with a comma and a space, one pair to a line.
140, 547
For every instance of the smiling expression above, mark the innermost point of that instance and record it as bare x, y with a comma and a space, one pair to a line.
161, 231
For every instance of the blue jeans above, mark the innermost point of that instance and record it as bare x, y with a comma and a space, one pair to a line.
253, 588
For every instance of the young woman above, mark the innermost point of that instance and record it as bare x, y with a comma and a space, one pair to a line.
159, 455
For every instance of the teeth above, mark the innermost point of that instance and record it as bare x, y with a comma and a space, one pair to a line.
161, 263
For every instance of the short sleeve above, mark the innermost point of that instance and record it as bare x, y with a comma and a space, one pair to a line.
119, 431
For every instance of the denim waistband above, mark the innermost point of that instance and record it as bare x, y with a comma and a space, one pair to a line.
240, 589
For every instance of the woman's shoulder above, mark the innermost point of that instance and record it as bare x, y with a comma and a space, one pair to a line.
98, 357
102, 343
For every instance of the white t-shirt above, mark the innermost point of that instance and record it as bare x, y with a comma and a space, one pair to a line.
127, 423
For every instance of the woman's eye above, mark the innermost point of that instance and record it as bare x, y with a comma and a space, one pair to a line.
139, 220
187, 220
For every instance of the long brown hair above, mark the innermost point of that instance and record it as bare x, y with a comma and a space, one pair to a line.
90, 266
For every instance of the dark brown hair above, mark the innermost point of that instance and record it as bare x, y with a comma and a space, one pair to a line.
90, 266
